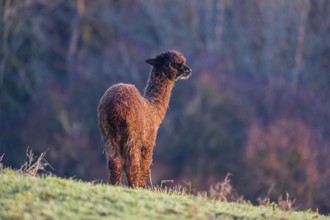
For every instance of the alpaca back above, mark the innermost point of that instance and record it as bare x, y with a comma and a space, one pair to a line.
121, 113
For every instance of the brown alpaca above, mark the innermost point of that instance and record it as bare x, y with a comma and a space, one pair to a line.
129, 122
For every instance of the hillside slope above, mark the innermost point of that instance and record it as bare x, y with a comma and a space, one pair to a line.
27, 197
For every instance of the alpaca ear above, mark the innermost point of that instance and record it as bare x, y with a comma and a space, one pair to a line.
154, 62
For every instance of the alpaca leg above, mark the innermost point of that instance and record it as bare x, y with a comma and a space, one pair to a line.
132, 168
115, 167
146, 160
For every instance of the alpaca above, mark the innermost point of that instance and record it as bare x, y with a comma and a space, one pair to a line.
129, 122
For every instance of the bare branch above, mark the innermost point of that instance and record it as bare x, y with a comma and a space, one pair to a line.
300, 43
4, 40
1, 164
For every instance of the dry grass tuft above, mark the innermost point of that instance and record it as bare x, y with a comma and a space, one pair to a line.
265, 201
224, 191
286, 203
35, 165
177, 189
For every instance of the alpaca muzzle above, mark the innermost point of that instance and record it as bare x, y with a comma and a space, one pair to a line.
186, 73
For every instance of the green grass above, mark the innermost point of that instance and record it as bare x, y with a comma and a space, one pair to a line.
27, 197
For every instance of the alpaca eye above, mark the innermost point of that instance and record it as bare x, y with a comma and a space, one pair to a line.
178, 66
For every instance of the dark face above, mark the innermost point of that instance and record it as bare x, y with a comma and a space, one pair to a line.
171, 64
181, 71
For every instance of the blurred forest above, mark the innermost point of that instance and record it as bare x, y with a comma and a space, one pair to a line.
257, 105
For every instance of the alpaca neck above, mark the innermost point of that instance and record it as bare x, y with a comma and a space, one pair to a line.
158, 93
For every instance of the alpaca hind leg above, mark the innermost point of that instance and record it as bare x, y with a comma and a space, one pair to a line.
115, 167
132, 168
146, 160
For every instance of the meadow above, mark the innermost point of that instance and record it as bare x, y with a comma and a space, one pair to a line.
24, 196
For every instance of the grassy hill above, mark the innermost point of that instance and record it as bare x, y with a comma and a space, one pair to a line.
47, 197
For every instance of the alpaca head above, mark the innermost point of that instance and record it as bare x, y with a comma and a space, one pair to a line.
171, 64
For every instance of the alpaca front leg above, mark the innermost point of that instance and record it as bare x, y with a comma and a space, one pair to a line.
146, 160
132, 168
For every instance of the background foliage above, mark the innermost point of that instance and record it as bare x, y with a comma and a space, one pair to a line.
257, 105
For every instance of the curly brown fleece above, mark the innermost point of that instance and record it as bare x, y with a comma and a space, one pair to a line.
129, 122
